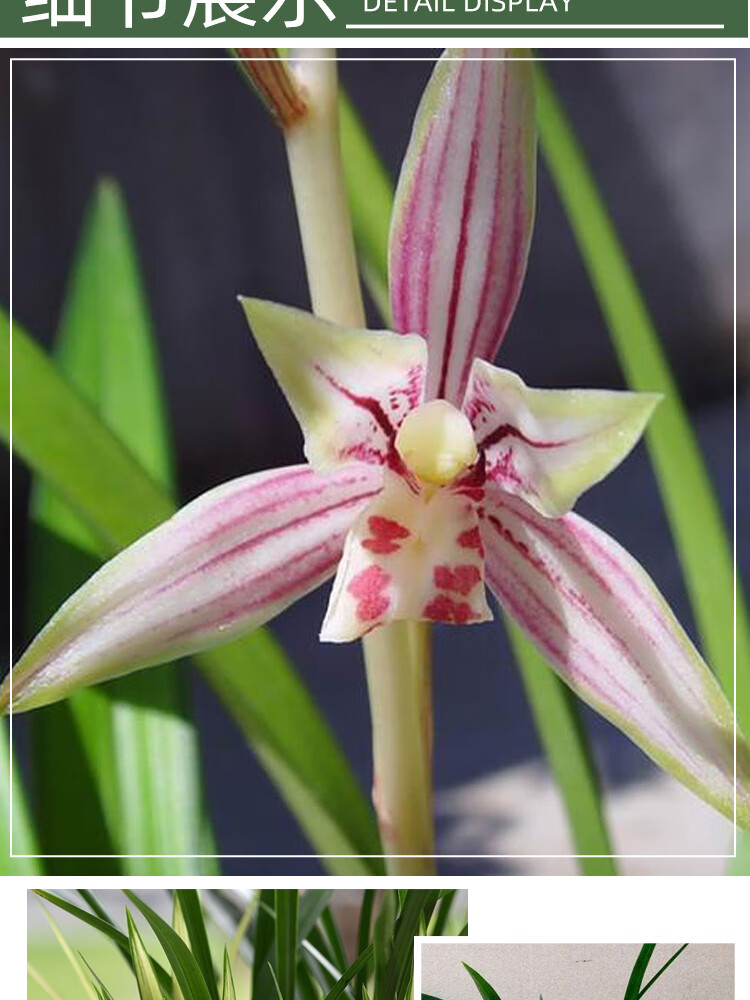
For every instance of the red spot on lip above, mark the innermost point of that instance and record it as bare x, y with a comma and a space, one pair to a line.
462, 579
444, 609
471, 539
384, 533
367, 588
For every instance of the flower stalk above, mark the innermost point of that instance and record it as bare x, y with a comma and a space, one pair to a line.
397, 655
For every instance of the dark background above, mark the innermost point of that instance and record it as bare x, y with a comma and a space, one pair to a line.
204, 175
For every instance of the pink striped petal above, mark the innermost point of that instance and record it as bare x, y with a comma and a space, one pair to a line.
602, 624
548, 446
464, 213
224, 564
412, 554
349, 389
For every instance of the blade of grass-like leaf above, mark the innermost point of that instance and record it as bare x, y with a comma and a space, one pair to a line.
104, 993
60, 437
42, 982
417, 905
663, 969
357, 967
179, 927
145, 977
228, 991
567, 749
192, 914
311, 905
24, 840
105, 348
633, 989
242, 926
385, 924
485, 990
371, 204
286, 904
96, 907
428, 996
363, 936
69, 954
333, 935
104, 927
694, 516
264, 931
442, 913
179, 956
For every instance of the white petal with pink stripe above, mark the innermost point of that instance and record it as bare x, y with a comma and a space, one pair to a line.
223, 565
550, 445
598, 618
464, 212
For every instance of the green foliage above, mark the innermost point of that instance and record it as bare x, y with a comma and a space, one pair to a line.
109, 738
275, 953
61, 438
485, 990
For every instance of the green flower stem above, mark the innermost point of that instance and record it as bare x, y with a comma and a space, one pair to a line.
396, 656
398, 678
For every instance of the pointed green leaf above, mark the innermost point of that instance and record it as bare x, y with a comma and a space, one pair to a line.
633, 989
148, 984
286, 904
192, 914
105, 927
663, 969
186, 969
70, 955
485, 990
105, 347
357, 968
227, 982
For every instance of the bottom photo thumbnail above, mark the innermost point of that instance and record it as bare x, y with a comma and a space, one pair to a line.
219, 944
457, 970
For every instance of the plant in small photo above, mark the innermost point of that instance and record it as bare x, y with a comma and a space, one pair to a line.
438, 489
637, 986
280, 945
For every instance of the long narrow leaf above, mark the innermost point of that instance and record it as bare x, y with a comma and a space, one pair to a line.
105, 348
42, 982
287, 902
663, 969
568, 752
60, 437
104, 927
179, 956
635, 983
192, 914
371, 201
363, 936
70, 955
694, 516
145, 977
417, 906
24, 840
357, 967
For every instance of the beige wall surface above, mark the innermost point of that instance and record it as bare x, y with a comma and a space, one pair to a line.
575, 971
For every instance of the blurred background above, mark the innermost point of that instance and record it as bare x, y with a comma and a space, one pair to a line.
204, 175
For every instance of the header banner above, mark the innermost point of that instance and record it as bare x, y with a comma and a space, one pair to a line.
249, 19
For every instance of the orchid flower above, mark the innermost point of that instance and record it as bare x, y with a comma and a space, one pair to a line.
431, 475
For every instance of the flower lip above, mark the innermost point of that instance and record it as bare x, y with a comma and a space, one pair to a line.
436, 442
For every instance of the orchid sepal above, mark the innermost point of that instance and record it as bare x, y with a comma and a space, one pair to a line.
602, 624
223, 565
349, 389
464, 211
548, 446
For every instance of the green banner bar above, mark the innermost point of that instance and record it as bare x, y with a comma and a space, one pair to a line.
264, 19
